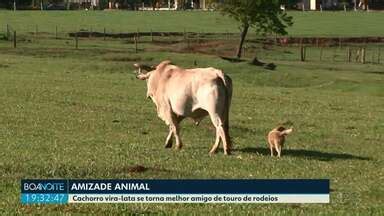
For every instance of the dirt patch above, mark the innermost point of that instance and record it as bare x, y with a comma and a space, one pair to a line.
376, 72
331, 40
127, 58
231, 59
136, 169
4, 66
268, 66
123, 35
350, 128
140, 169
216, 36
218, 47
141, 34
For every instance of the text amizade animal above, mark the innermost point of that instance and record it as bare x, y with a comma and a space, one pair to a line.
195, 93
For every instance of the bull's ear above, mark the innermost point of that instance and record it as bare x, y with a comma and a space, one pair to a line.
143, 67
143, 76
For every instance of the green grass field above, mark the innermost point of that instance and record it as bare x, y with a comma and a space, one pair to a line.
68, 113
306, 23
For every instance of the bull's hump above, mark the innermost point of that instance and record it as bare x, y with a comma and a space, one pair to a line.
171, 69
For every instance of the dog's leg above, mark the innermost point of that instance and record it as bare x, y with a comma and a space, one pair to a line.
271, 148
278, 149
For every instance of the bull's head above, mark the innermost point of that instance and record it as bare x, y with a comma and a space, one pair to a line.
151, 75
143, 71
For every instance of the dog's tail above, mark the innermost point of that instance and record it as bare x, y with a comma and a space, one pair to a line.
287, 131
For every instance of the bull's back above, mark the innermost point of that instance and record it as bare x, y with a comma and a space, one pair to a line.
192, 89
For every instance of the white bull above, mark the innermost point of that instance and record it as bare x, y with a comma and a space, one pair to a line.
179, 93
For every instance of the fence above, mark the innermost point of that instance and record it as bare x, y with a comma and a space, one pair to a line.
361, 50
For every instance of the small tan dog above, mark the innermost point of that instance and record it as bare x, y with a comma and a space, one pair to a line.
276, 138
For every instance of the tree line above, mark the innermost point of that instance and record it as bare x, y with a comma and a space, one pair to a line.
123, 4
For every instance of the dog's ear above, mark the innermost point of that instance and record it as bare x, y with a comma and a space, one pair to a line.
280, 128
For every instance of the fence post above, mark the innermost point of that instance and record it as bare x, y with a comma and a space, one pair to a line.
349, 54
135, 41
275, 39
244, 50
151, 36
76, 41
14, 39
373, 57
8, 32
362, 55
302, 52
184, 34
138, 34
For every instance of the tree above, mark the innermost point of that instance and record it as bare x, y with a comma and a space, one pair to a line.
265, 16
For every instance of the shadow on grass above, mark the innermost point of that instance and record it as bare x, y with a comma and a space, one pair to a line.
310, 154
139, 169
376, 72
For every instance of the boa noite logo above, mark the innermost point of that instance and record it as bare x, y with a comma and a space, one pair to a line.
43, 186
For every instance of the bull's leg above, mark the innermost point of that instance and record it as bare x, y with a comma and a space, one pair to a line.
169, 141
216, 145
176, 131
223, 134
224, 138
227, 137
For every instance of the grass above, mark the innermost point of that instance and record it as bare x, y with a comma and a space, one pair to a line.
69, 113
305, 23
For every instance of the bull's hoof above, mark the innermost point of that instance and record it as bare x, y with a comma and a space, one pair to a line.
168, 144
178, 147
211, 153
227, 152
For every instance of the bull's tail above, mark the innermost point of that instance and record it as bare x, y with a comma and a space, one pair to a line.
222, 76
227, 81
